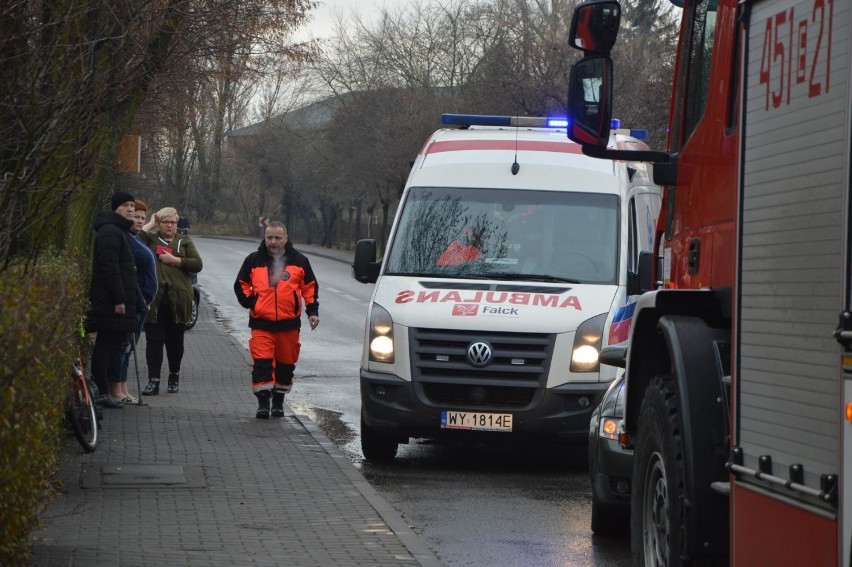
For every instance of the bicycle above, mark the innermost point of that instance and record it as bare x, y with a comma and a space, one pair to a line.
80, 409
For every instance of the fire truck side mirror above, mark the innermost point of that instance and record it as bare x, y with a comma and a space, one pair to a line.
365, 268
590, 100
594, 26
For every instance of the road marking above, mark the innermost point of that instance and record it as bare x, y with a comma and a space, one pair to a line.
344, 295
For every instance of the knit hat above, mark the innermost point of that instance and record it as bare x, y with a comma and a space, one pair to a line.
119, 198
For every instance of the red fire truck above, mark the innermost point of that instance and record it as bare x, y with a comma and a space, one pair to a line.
739, 362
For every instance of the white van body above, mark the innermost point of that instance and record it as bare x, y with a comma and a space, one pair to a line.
498, 336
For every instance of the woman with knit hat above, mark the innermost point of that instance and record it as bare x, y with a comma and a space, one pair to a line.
112, 295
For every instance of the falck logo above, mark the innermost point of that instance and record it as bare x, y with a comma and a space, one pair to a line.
465, 309
479, 354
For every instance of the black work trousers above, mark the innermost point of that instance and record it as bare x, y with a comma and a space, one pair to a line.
164, 332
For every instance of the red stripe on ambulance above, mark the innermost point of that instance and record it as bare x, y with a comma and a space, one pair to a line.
509, 145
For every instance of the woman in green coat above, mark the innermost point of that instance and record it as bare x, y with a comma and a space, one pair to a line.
170, 311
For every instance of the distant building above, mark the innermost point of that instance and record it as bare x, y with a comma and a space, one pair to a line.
314, 116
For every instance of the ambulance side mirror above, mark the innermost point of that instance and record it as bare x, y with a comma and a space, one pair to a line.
594, 26
615, 355
641, 281
365, 268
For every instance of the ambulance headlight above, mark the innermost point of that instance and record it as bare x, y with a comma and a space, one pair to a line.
587, 345
584, 358
381, 335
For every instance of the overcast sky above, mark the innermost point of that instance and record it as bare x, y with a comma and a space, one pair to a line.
322, 22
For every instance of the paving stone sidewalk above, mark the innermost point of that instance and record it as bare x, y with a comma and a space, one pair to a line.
194, 479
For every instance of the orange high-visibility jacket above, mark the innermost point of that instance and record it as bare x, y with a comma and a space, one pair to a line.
277, 307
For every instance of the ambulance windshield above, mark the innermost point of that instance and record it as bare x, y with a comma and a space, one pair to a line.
507, 234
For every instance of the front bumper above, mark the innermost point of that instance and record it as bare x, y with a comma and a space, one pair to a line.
612, 469
401, 409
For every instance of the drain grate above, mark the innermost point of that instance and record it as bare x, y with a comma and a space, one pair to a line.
141, 476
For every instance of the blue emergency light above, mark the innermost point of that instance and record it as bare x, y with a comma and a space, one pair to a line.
525, 122
511, 121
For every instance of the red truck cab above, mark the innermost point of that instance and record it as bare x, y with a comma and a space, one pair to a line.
736, 386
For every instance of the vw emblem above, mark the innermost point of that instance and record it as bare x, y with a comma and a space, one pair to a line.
479, 354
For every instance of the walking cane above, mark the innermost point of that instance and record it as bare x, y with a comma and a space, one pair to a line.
141, 402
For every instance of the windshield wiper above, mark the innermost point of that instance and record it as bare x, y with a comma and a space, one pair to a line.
417, 274
505, 276
513, 276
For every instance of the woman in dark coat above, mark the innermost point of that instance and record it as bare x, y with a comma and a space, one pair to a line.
113, 293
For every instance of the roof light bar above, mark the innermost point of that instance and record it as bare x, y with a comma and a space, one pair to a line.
516, 121
528, 122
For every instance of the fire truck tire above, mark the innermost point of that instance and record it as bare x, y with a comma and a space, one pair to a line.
656, 508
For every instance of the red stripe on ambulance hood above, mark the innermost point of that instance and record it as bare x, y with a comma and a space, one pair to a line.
527, 145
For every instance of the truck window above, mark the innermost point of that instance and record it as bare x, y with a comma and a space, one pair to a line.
700, 56
512, 234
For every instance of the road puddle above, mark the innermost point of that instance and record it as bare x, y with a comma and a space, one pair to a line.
328, 422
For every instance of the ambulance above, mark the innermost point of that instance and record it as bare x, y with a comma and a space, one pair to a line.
511, 262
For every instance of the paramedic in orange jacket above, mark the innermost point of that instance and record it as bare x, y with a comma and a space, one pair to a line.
272, 284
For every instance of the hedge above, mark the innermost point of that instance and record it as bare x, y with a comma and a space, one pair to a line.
42, 303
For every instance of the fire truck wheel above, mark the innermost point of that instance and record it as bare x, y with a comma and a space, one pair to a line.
656, 508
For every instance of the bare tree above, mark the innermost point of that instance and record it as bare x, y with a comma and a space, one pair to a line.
393, 81
74, 75
644, 66
222, 73
379, 139
386, 85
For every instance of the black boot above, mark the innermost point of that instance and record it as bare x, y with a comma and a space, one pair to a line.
263, 404
153, 387
277, 404
173, 383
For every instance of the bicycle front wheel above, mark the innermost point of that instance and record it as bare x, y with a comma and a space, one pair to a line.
81, 414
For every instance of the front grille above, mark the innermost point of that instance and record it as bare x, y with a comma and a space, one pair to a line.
518, 369
461, 395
